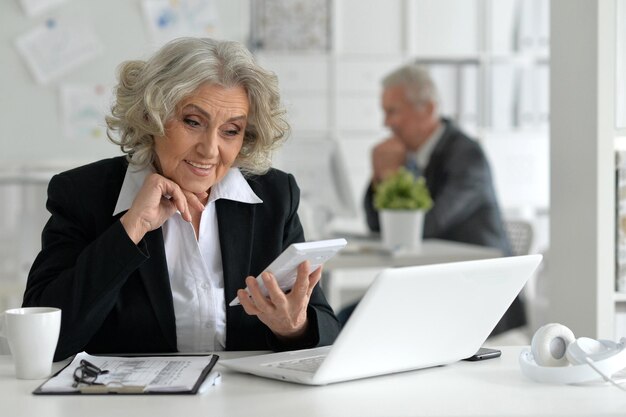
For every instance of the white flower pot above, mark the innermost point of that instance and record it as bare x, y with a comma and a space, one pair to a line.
401, 230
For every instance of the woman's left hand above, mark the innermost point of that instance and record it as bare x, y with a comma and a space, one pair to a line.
284, 314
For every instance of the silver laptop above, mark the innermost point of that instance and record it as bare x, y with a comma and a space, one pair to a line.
410, 318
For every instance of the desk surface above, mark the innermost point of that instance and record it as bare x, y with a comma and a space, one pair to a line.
368, 253
490, 388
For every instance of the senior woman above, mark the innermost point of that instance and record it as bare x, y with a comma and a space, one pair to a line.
143, 252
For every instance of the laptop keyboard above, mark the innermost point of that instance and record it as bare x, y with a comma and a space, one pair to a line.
305, 364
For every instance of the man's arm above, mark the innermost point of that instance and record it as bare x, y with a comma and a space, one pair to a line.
387, 157
466, 189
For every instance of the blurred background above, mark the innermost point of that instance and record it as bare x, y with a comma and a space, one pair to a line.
491, 60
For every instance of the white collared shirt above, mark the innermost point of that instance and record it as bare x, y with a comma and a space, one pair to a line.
195, 265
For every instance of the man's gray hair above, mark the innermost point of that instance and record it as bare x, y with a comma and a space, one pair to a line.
419, 85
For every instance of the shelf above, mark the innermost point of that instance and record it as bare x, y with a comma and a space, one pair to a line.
449, 59
519, 58
620, 297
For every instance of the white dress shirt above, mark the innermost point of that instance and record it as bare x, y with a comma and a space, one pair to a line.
195, 265
422, 156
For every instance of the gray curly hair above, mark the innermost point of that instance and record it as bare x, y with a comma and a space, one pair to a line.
148, 92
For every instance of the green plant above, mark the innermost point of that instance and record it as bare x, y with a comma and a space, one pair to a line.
402, 191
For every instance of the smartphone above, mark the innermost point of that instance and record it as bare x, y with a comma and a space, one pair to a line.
484, 353
285, 266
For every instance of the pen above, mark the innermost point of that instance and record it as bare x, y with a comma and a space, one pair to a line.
214, 378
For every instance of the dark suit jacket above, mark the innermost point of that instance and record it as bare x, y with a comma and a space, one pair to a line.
465, 206
115, 296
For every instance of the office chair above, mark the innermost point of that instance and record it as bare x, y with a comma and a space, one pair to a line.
520, 234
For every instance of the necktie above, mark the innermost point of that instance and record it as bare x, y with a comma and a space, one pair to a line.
412, 166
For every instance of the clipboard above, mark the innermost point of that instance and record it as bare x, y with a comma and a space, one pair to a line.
194, 369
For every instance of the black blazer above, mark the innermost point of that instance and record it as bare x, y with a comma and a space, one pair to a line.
465, 206
115, 296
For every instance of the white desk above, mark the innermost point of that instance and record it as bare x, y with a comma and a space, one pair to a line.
368, 254
491, 388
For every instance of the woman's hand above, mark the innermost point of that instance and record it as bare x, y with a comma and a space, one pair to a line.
157, 200
284, 314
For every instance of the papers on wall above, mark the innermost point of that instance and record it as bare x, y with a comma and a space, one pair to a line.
169, 19
56, 47
36, 7
83, 108
291, 25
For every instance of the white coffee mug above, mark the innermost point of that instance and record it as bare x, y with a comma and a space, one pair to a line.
32, 333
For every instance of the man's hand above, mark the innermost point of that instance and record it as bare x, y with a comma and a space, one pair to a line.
387, 157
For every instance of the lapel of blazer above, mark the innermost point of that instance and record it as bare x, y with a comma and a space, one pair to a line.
156, 281
438, 153
235, 221
235, 224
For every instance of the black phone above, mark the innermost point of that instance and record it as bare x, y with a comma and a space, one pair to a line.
484, 353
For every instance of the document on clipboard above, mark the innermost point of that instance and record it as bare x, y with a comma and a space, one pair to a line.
130, 375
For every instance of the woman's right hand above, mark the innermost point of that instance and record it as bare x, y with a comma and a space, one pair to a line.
158, 199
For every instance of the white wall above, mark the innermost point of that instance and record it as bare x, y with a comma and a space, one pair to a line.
29, 114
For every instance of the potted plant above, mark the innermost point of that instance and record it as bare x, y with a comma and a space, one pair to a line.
402, 200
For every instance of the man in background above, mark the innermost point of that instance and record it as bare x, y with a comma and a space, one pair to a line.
455, 168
